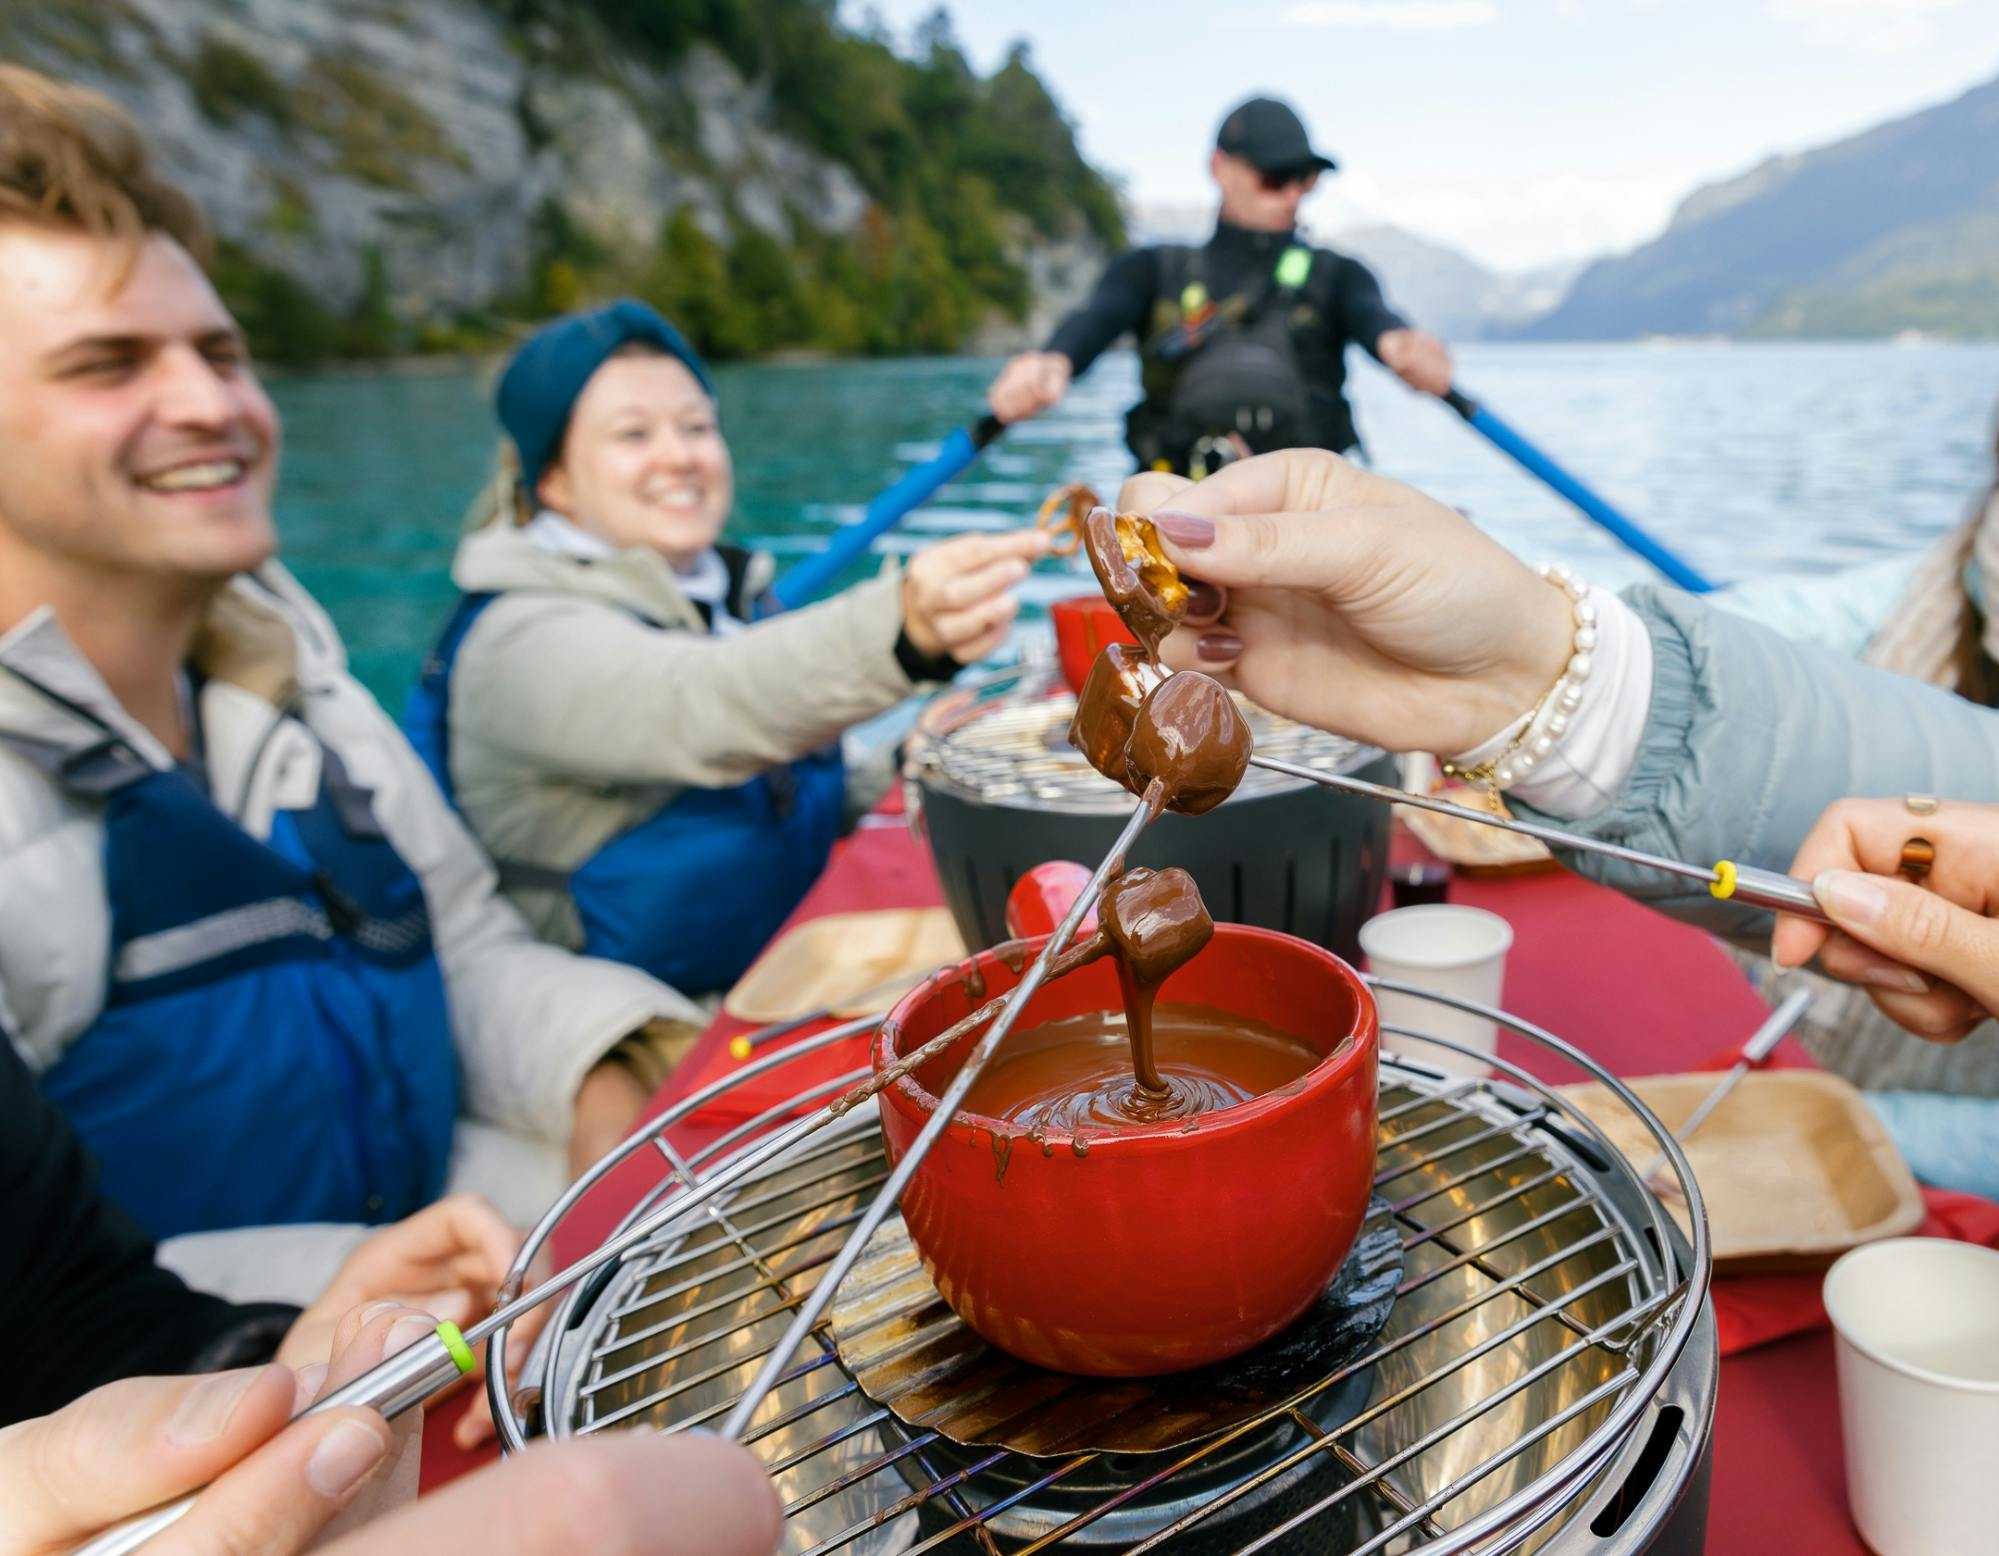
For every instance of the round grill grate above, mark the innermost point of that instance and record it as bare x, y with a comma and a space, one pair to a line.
1016, 749
1548, 1326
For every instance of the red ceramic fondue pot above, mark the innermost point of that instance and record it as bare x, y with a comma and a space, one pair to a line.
1145, 1248
1084, 624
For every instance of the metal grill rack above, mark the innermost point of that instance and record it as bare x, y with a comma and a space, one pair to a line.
1545, 1380
1016, 750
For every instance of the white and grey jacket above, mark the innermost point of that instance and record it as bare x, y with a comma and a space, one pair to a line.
528, 1020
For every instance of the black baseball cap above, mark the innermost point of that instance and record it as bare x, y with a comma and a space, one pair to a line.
1270, 137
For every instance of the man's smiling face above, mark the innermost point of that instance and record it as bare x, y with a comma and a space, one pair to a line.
134, 437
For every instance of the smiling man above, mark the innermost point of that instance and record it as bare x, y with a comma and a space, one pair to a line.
243, 941
1242, 342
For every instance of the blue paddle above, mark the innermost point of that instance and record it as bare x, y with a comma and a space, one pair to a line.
1537, 463
809, 578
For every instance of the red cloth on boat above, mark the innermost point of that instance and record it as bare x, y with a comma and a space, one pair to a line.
1753, 1310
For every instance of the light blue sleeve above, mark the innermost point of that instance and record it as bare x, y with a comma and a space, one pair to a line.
1952, 1142
1841, 611
1750, 736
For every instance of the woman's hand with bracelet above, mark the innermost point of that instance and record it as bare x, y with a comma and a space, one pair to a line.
1355, 603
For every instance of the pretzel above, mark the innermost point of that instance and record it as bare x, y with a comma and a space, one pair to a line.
1074, 502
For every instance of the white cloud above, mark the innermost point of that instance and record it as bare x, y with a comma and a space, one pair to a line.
1868, 26
1407, 15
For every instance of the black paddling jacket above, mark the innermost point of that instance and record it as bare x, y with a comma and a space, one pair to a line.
79, 1291
1339, 303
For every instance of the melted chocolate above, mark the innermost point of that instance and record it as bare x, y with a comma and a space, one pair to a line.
1192, 739
1069, 1075
1107, 709
1138, 580
1156, 924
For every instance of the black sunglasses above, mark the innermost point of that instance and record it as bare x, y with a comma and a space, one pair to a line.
1283, 178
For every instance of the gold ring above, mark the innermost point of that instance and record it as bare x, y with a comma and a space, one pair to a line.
1918, 855
1920, 804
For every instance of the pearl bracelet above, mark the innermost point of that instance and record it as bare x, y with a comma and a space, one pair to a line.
1549, 719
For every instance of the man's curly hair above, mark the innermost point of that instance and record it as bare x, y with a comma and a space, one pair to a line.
72, 159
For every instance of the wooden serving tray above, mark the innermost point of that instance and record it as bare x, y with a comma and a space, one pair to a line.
1794, 1167
849, 964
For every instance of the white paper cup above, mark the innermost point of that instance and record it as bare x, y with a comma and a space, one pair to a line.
1917, 1326
1453, 950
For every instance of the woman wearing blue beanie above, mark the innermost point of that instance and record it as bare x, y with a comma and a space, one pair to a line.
648, 752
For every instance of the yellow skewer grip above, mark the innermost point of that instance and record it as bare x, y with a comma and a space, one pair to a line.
1723, 885
454, 1342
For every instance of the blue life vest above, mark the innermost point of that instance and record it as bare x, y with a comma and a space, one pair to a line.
694, 891
274, 1044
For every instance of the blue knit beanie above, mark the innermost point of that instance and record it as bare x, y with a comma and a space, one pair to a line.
540, 386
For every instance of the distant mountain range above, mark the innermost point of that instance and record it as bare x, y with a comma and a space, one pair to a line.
1448, 292
1894, 229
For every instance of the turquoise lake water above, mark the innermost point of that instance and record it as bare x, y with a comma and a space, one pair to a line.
1747, 459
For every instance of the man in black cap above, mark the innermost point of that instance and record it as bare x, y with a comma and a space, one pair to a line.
1243, 340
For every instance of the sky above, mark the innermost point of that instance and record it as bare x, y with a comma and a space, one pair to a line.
1521, 132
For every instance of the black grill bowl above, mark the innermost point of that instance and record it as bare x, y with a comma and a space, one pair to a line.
1307, 860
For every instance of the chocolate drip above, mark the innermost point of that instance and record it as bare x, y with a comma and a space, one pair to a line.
1156, 924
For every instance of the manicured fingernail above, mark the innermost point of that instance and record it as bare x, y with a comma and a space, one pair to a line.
373, 1311
1849, 897
1901, 979
205, 1410
1185, 529
405, 1332
1218, 646
1203, 599
344, 1455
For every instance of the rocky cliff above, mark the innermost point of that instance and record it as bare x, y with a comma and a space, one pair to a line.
398, 173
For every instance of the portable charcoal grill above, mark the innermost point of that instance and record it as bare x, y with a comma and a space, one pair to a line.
999, 789
1545, 1379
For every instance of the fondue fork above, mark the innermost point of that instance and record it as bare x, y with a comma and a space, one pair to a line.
1726, 879
437, 1361
1752, 1053
1016, 999
744, 1044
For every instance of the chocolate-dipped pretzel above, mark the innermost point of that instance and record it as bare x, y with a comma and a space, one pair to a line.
1145, 588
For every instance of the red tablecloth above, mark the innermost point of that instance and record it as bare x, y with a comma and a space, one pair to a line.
1638, 993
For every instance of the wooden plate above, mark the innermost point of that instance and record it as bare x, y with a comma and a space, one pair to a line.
851, 964
1794, 1167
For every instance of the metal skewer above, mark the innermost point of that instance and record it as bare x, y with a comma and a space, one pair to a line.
1725, 879
1754, 1052
744, 1044
940, 1119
